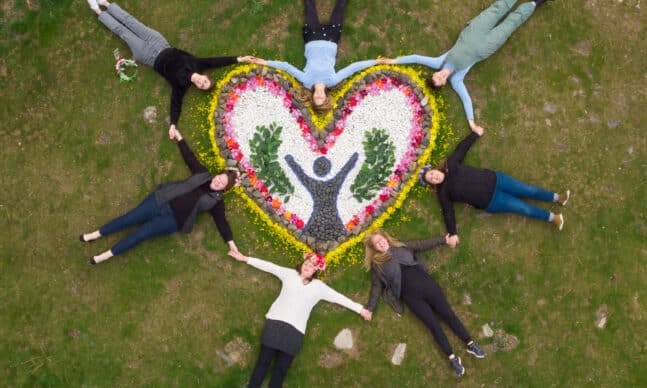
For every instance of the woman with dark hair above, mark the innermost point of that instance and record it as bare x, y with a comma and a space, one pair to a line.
399, 275
321, 52
178, 67
481, 38
172, 207
493, 191
288, 316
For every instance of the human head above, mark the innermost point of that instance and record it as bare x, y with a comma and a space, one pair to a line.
311, 265
224, 180
430, 175
376, 247
320, 98
439, 78
201, 81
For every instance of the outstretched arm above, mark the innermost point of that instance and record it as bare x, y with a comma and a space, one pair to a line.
298, 171
458, 84
218, 215
423, 245
460, 152
347, 167
333, 296
447, 207
189, 157
263, 265
432, 62
288, 68
177, 95
352, 69
375, 292
209, 63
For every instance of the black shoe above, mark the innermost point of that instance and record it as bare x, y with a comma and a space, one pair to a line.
458, 366
474, 349
81, 238
92, 261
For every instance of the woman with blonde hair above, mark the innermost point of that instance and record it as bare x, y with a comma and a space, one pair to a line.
320, 51
399, 275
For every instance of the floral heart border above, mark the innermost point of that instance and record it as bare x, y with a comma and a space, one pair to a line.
322, 133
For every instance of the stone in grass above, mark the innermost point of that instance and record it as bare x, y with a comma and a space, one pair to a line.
150, 114
487, 330
398, 354
601, 317
344, 340
467, 300
550, 108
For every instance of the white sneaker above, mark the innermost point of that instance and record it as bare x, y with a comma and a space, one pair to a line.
94, 5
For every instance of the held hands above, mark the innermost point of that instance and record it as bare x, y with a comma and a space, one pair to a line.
252, 59
367, 315
238, 256
452, 240
476, 128
385, 61
232, 246
173, 133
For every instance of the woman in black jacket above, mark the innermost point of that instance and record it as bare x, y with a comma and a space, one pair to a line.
172, 207
178, 67
398, 274
493, 191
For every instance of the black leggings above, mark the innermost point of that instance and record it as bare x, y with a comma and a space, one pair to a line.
314, 30
425, 299
283, 362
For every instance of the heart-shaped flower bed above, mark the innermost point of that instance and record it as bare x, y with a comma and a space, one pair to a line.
327, 179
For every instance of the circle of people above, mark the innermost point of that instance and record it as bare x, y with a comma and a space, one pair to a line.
397, 272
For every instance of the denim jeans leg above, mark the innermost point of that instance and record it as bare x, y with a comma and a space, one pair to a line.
505, 203
146, 210
516, 188
160, 225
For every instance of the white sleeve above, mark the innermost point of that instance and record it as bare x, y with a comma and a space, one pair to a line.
330, 295
276, 270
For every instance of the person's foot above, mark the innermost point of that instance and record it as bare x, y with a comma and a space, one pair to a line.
475, 350
94, 5
457, 365
101, 257
103, 3
558, 221
87, 237
562, 199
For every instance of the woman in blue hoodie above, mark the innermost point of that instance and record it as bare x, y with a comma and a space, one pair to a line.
321, 52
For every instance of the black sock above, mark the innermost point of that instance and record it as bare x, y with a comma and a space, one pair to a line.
539, 2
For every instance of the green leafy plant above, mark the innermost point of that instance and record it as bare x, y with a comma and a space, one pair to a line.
264, 155
380, 158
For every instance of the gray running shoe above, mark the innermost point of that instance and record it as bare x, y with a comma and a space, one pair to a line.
458, 366
474, 349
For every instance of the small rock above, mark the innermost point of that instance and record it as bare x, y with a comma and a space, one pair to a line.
613, 124
150, 114
541, 302
575, 79
344, 340
519, 277
104, 139
601, 317
550, 108
398, 354
593, 119
467, 300
487, 330
630, 150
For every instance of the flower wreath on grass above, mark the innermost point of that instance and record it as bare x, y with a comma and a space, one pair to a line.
121, 67
323, 181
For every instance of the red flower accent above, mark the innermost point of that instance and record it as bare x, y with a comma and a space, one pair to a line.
370, 209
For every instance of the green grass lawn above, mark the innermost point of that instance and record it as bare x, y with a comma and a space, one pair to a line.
563, 105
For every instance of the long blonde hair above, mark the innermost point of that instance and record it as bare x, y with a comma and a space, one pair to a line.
374, 257
304, 96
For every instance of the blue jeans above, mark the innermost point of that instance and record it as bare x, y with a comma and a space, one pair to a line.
156, 220
507, 194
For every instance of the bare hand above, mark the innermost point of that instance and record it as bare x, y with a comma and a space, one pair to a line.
232, 246
255, 60
238, 256
477, 129
367, 315
385, 61
173, 133
246, 58
452, 240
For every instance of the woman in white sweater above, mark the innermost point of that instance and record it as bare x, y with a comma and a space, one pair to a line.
288, 316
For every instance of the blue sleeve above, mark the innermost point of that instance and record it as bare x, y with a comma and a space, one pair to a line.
459, 86
433, 62
352, 69
288, 68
